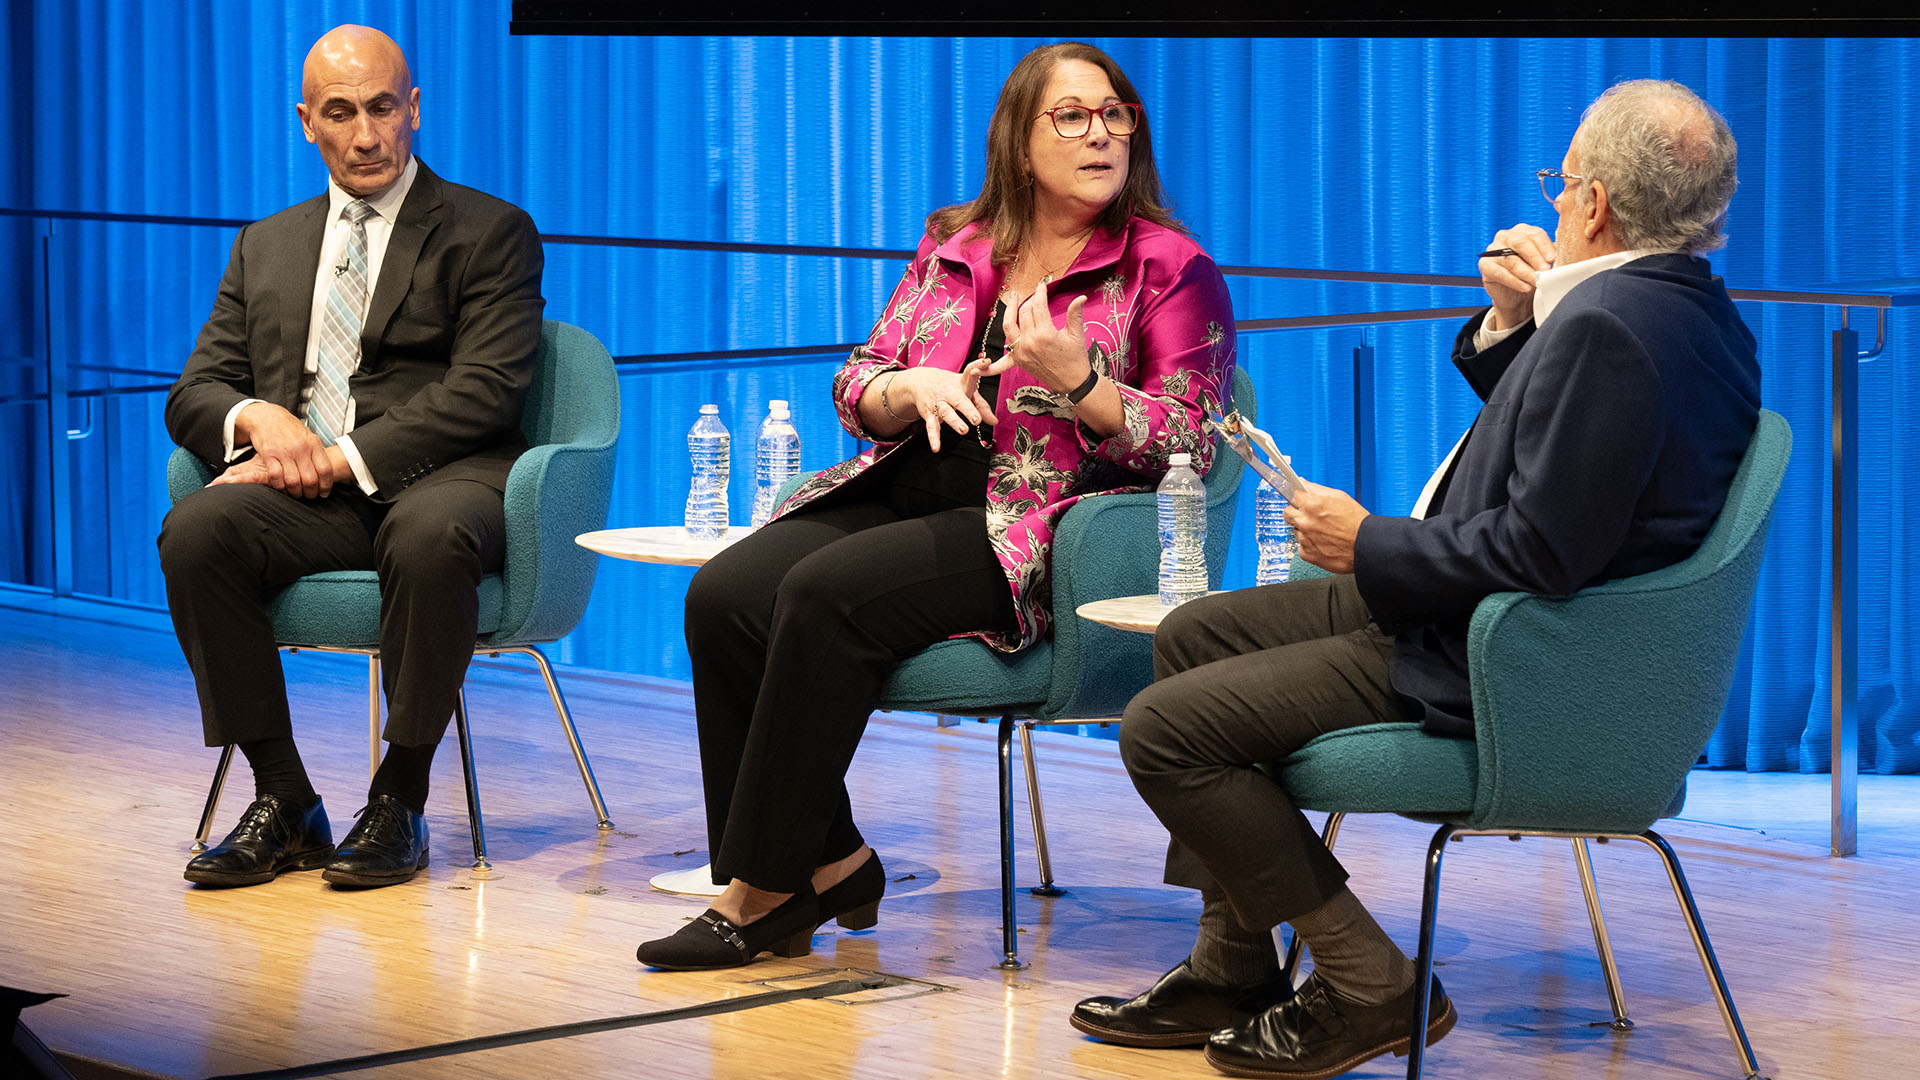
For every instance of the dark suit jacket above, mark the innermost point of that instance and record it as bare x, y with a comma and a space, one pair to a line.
1604, 449
447, 349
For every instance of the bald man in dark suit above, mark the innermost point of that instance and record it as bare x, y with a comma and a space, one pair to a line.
358, 390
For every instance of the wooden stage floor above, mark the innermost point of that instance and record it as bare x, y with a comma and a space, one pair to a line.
103, 776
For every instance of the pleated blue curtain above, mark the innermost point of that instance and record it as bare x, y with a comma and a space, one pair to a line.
1387, 155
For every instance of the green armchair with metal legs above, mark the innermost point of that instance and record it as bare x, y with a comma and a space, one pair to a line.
1589, 711
1081, 673
557, 490
1105, 547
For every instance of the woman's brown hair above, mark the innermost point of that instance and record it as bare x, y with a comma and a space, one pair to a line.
1006, 197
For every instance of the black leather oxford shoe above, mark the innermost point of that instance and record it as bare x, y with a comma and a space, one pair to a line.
1182, 1009
273, 836
1320, 1034
387, 846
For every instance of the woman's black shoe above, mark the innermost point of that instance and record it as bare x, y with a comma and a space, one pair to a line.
855, 901
712, 940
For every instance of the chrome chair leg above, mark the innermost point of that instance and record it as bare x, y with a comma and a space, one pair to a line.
1009, 933
1616, 997
375, 696
1423, 960
1290, 966
573, 735
1721, 995
373, 713
474, 823
213, 798
1040, 854
1331, 831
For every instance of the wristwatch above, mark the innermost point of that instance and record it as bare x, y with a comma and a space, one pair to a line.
1079, 393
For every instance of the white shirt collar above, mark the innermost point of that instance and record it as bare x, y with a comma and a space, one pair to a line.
386, 204
1555, 282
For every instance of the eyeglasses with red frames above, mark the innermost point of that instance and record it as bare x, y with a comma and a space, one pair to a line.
1074, 121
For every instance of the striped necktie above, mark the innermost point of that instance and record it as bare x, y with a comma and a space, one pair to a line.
330, 404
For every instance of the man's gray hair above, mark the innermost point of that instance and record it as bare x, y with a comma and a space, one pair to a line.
1667, 160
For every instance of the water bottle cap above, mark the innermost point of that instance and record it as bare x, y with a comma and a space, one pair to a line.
710, 409
777, 409
1181, 458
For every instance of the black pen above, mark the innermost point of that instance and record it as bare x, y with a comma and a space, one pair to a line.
1498, 253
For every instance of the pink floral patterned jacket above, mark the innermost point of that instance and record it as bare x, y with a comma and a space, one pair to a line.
1159, 324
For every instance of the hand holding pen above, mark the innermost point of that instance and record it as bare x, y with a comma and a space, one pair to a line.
1510, 269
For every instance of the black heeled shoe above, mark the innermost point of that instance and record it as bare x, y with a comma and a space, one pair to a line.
712, 940
855, 902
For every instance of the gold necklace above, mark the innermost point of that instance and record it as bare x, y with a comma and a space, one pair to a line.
1046, 274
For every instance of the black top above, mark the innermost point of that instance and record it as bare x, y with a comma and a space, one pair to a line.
922, 481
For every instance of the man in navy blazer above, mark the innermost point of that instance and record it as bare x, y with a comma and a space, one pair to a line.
358, 390
1621, 390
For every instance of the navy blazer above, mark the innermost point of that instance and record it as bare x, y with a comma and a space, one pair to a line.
447, 350
1604, 449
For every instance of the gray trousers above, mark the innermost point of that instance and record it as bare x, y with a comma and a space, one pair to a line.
1241, 679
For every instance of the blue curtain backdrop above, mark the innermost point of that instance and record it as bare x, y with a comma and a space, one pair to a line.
1384, 155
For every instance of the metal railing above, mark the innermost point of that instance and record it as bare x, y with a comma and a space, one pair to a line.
1879, 297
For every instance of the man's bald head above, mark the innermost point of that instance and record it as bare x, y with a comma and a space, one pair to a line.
360, 107
352, 47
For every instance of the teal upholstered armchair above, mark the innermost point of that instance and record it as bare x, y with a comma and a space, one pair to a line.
1589, 711
558, 489
1106, 546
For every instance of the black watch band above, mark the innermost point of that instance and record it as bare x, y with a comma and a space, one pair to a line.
1079, 393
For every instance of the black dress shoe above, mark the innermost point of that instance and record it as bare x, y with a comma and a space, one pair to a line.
1182, 1009
273, 836
712, 940
387, 846
855, 901
1320, 1034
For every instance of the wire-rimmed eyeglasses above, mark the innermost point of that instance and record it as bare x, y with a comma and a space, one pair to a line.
1074, 121
1553, 182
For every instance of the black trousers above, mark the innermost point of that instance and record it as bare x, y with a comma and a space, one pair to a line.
1241, 679
791, 633
225, 549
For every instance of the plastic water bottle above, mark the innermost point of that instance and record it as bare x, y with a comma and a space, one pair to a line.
709, 447
777, 459
1183, 533
1272, 535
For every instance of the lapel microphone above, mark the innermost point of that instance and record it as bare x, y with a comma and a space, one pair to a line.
341, 269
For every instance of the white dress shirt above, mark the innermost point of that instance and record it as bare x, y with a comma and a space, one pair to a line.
333, 243
1552, 286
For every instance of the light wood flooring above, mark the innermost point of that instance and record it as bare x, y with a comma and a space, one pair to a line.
102, 777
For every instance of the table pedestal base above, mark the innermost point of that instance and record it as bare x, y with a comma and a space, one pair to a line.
695, 882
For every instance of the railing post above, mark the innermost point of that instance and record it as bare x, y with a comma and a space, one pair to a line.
1366, 474
1846, 513
59, 452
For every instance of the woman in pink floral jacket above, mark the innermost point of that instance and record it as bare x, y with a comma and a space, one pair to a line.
1058, 337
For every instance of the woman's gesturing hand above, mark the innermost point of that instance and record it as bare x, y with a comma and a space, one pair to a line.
945, 398
1055, 355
